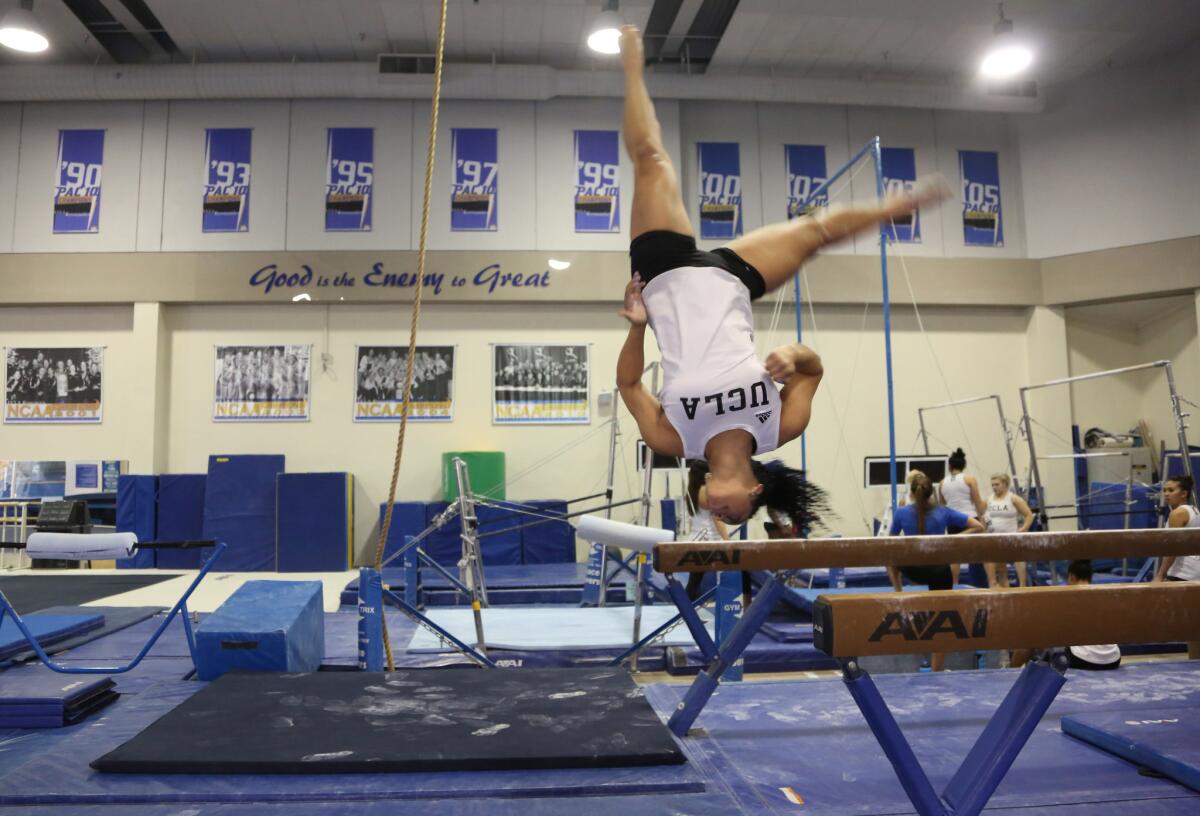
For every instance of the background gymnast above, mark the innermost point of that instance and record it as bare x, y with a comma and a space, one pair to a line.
719, 402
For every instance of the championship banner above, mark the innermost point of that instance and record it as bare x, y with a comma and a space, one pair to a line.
53, 385
720, 189
379, 384
597, 185
77, 188
349, 179
805, 173
227, 180
540, 384
256, 383
980, 174
474, 196
899, 176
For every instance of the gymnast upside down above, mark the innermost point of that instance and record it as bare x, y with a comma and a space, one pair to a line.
719, 402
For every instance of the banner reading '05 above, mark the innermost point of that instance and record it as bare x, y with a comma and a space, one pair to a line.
77, 182
226, 206
982, 221
349, 179
720, 189
474, 193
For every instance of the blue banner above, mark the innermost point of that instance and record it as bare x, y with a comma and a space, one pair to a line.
77, 193
349, 179
227, 180
597, 188
474, 197
980, 174
899, 176
805, 173
720, 189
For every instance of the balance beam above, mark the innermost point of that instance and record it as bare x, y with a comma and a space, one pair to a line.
793, 554
1027, 618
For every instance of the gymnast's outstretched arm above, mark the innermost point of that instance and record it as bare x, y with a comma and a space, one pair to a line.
646, 409
799, 368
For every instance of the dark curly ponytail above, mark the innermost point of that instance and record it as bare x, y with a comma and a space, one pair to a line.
787, 491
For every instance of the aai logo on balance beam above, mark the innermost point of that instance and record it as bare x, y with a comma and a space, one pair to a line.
927, 625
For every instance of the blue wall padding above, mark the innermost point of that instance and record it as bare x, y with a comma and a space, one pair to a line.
239, 509
1105, 507
1161, 739
180, 517
137, 513
266, 626
408, 519
549, 543
314, 519
445, 545
504, 548
666, 507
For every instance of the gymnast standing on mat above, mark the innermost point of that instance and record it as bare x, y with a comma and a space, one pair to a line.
1186, 567
719, 402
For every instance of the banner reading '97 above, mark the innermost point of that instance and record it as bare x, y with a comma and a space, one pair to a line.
474, 199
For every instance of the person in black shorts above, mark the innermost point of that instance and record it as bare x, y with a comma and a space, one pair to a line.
719, 403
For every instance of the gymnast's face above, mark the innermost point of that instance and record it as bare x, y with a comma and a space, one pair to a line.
1174, 494
729, 500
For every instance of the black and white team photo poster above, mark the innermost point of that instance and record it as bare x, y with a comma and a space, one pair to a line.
257, 383
545, 384
379, 384
53, 385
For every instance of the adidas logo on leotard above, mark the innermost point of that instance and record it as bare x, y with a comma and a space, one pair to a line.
763, 416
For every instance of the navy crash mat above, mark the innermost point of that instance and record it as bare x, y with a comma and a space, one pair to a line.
420, 720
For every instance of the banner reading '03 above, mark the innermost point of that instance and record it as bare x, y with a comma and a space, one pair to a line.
899, 176
226, 206
983, 224
805, 173
720, 189
349, 179
474, 193
542, 384
77, 182
597, 185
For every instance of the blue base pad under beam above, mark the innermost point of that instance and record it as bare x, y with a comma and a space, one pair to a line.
764, 654
507, 584
1166, 740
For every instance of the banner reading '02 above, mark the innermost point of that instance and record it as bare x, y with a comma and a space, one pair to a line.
899, 176
720, 189
597, 185
540, 384
226, 206
805, 173
349, 179
474, 193
77, 182
983, 224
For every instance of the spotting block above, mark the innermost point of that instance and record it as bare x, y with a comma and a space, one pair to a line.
266, 626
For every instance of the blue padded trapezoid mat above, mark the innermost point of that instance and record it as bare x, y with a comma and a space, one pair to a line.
1166, 740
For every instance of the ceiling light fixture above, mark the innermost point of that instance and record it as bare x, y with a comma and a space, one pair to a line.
558, 265
21, 31
1007, 56
604, 37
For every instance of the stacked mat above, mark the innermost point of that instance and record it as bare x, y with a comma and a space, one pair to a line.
48, 629
35, 697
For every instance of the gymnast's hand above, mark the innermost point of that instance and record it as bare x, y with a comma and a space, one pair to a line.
781, 363
634, 309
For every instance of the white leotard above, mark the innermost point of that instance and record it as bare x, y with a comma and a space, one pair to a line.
956, 494
1003, 515
1187, 567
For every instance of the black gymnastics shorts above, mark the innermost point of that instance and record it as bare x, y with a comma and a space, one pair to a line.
658, 251
935, 577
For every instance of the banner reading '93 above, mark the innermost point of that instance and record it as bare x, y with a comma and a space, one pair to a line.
226, 206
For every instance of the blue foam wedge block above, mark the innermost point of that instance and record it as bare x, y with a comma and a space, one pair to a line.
180, 517
270, 626
1166, 740
314, 518
239, 509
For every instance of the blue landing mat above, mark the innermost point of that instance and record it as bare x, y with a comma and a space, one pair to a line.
47, 629
788, 631
810, 736
63, 776
764, 654
509, 584
115, 619
803, 598
1166, 740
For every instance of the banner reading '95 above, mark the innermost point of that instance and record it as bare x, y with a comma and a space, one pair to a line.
349, 179
474, 198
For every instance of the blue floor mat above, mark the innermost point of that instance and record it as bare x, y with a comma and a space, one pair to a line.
506, 584
1166, 740
62, 776
47, 629
116, 618
809, 736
